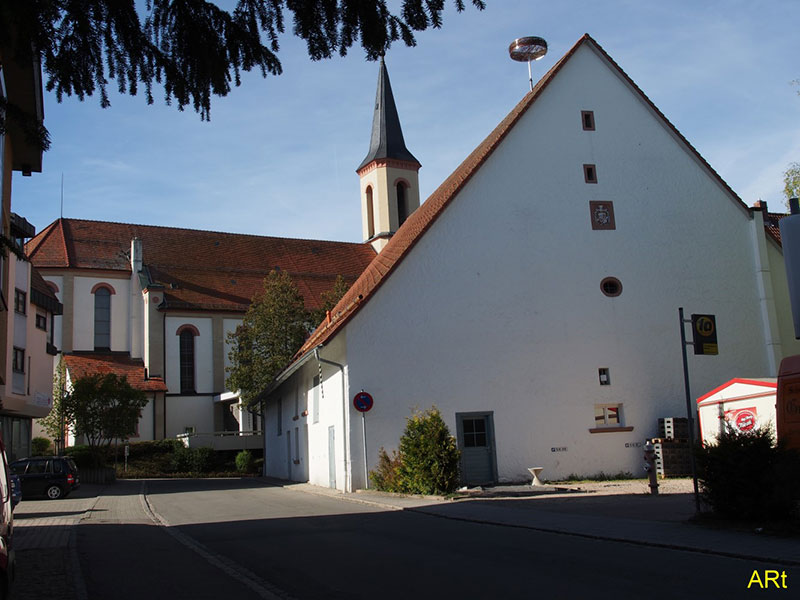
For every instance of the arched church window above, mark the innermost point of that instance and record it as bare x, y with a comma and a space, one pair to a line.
187, 334
102, 317
370, 214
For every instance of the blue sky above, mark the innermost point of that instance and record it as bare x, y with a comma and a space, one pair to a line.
279, 154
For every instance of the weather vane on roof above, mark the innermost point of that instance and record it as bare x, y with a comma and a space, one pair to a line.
527, 49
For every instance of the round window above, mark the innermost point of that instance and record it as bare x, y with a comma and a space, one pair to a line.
611, 286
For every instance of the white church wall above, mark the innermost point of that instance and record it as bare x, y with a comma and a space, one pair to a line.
499, 308
83, 312
146, 420
186, 414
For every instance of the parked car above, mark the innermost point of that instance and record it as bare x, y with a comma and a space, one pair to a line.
16, 490
7, 556
51, 476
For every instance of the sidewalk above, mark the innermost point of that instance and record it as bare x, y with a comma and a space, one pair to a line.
44, 540
591, 511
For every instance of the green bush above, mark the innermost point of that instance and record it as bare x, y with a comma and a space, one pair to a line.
204, 460
245, 463
192, 460
84, 457
747, 476
41, 446
384, 478
427, 462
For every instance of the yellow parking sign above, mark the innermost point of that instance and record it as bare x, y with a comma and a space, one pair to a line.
704, 334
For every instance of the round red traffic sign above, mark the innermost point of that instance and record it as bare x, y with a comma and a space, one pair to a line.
363, 401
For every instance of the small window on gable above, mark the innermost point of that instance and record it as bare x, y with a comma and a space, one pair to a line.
608, 415
41, 321
587, 118
609, 418
590, 173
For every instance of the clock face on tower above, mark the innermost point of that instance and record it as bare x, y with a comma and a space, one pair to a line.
602, 215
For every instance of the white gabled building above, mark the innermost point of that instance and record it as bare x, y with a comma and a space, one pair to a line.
533, 298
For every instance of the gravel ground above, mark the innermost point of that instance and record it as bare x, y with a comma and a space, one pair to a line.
632, 486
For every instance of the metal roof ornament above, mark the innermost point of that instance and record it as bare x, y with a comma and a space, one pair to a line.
527, 49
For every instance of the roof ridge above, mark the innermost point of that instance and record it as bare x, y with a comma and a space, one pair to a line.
226, 233
423, 218
435, 204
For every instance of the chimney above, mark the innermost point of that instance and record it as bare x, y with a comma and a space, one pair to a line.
136, 255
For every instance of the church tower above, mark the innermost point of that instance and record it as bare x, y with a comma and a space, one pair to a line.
389, 182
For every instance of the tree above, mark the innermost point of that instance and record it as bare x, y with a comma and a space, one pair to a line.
273, 329
330, 299
102, 408
55, 423
791, 181
195, 48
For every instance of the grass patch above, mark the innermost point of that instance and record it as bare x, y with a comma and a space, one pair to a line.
601, 476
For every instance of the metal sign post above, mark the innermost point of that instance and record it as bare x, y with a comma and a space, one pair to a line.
703, 320
363, 402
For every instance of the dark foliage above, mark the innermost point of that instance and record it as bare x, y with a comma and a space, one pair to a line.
245, 462
41, 446
384, 477
195, 48
747, 476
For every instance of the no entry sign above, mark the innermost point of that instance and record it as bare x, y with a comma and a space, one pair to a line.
363, 401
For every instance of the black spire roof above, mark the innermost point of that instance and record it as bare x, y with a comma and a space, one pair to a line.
387, 136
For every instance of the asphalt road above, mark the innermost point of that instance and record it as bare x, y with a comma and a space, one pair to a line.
241, 539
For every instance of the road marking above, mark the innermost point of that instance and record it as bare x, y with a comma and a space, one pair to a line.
263, 588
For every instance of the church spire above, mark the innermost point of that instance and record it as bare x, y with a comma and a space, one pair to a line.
387, 135
389, 181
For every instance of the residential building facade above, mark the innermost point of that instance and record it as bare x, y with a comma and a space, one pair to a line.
27, 305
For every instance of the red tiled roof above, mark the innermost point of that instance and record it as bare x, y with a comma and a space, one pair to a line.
771, 221
80, 365
203, 270
421, 220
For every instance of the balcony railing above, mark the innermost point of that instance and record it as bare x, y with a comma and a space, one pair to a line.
224, 440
